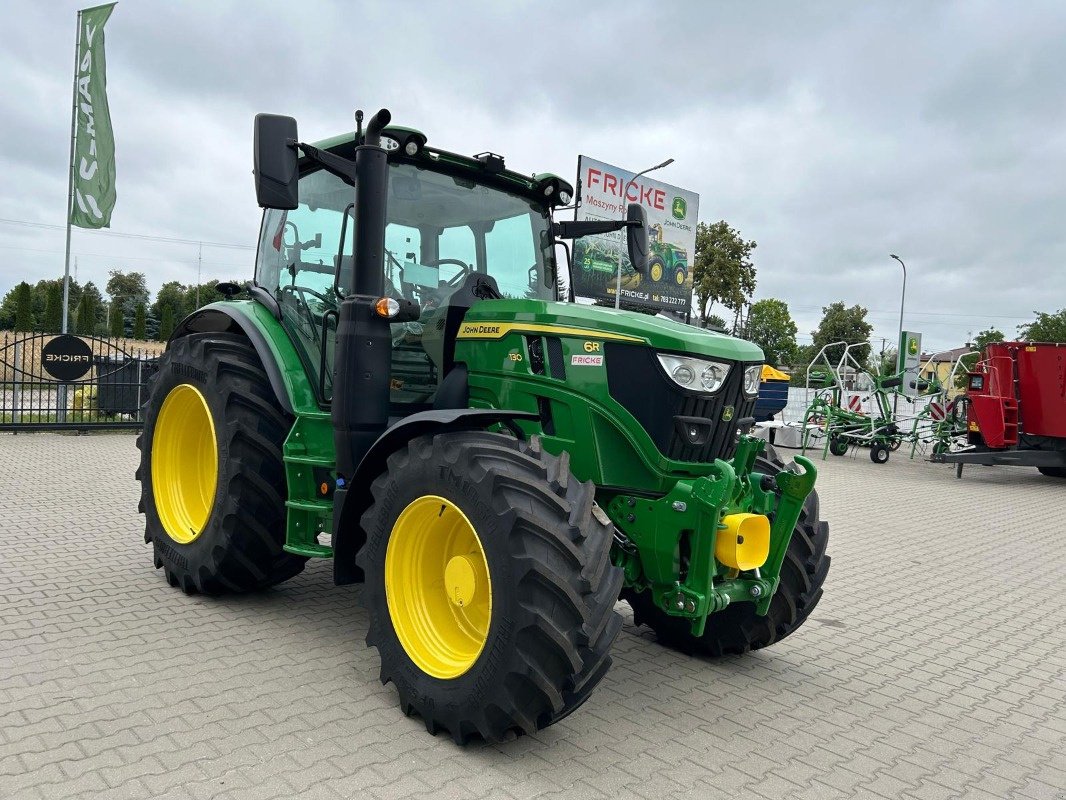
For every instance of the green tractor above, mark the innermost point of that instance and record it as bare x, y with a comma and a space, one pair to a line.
403, 394
667, 261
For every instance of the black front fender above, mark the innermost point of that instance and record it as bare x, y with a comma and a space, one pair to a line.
349, 502
230, 319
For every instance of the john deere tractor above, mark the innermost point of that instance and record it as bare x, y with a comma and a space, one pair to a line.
402, 393
666, 260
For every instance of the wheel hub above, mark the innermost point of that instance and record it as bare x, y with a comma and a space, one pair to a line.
438, 587
184, 463
460, 580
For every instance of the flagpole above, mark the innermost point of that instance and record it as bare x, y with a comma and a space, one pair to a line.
70, 180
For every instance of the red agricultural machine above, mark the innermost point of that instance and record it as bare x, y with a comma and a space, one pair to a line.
1016, 408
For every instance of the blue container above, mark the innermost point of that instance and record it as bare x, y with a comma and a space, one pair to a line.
772, 399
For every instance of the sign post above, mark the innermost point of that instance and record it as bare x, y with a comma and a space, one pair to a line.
909, 362
601, 265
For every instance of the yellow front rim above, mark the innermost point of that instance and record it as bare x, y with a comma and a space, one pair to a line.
680, 278
656, 272
437, 587
184, 463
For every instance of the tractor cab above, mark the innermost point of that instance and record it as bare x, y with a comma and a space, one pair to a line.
456, 231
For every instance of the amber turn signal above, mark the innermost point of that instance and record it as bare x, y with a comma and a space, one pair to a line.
387, 307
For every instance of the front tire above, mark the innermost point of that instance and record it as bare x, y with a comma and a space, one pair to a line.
656, 269
495, 612
212, 478
736, 629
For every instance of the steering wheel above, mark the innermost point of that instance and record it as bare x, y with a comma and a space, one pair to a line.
454, 282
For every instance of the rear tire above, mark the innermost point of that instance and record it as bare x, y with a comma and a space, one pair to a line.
736, 629
879, 453
545, 547
242, 527
838, 447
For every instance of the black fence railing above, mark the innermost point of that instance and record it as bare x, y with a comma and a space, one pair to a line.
66, 382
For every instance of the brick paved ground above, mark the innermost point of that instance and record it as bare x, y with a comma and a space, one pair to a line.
934, 667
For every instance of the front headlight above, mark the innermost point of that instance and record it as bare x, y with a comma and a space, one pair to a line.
752, 377
694, 374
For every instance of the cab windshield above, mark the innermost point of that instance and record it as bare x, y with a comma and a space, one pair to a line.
440, 229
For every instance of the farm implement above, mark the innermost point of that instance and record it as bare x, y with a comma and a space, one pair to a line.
853, 406
1015, 409
403, 394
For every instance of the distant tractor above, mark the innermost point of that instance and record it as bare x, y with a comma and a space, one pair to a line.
1015, 406
668, 261
403, 394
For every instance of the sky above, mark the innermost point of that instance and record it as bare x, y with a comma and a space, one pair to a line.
831, 133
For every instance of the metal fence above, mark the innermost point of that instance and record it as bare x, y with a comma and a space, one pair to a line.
66, 382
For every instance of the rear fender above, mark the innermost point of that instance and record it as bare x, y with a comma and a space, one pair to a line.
282, 363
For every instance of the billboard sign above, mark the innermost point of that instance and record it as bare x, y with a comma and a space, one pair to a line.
603, 193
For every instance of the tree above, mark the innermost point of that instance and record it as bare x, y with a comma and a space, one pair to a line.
85, 320
52, 320
969, 363
722, 271
714, 322
987, 337
842, 324
171, 293
166, 326
127, 286
23, 307
116, 321
139, 323
1045, 328
771, 327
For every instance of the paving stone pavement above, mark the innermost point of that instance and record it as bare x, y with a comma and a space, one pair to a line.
934, 666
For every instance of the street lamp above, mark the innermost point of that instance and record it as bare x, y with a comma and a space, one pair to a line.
899, 336
902, 298
618, 282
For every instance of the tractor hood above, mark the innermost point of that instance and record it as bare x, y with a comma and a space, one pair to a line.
491, 318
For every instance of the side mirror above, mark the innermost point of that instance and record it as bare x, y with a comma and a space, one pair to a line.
637, 237
276, 158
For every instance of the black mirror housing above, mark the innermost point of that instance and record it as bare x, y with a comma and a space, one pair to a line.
276, 161
637, 237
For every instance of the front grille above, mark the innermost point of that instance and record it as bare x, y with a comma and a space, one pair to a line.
723, 439
638, 383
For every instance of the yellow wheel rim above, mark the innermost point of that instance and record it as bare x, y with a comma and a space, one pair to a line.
437, 587
656, 271
680, 278
184, 463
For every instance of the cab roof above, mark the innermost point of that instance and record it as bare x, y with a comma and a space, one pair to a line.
344, 144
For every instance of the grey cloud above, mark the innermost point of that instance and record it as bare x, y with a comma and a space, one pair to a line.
832, 133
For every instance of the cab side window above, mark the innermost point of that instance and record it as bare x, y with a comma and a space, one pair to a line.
296, 263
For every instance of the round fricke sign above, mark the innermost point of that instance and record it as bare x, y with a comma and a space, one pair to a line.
67, 357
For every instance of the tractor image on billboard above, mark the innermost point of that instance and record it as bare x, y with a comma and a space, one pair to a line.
668, 261
404, 395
